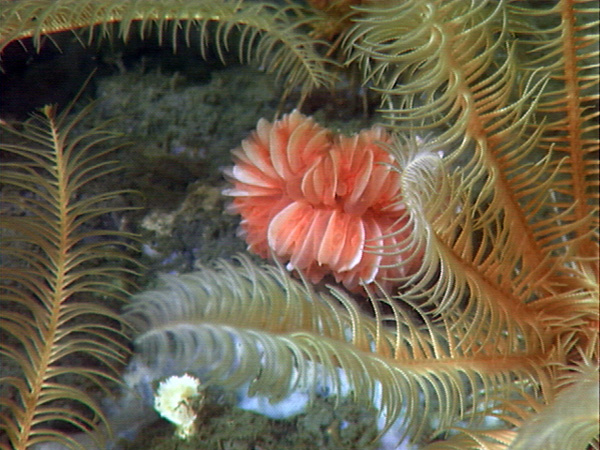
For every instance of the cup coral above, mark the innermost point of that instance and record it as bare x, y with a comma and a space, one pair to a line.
324, 203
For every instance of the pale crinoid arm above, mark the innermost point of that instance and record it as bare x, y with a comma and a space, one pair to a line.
267, 35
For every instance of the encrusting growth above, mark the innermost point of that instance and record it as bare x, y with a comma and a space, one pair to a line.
324, 203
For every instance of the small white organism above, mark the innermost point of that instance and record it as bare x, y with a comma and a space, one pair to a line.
173, 401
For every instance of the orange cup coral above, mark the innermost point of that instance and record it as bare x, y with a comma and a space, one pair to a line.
322, 202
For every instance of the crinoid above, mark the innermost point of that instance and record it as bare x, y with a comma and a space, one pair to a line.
57, 333
494, 336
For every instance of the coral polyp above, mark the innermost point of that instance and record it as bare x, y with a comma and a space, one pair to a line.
322, 202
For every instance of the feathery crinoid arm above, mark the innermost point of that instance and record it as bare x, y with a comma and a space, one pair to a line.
510, 232
454, 70
565, 44
265, 34
54, 261
450, 70
239, 324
